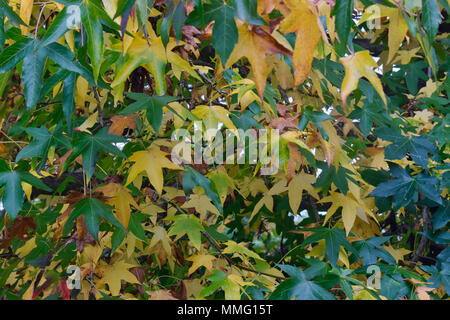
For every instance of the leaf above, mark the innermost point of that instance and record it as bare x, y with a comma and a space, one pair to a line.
32, 70
418, 147
359, 65
153, 104
191, 179
6, 10
254, 44
119, 123
303, 22
90, 145
370, 250
212, 115
334, 239
300, 182
431, 18
343, 11
152, 161
187, 224
56, 30
94, 30
154, 58
397, 25
42, 142
114, 274
12, 197
92, 209
201, 259
298, 287
231, 284
240, 250
121, 199
225, 32
351, 208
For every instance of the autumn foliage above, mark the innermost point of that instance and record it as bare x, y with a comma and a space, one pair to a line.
97, 95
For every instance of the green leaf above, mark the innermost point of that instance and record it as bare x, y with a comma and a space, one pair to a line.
334, 238
298, 287
225, 33
393, 286
6, 10
123, 6
64, 57
68, 99
153, 104
431, 18
135, 225
90, 145
246, 10
57, 29
32, 71
192, 178
187, 224
92, 209
343, 11
42, 142
91, 22
418, 147
441, 216
13, 54
370, 250
13, 196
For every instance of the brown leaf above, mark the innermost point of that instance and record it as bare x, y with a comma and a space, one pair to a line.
18, 228
119, 123
286, 122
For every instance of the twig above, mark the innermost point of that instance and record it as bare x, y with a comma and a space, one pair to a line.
99, 107
427, 226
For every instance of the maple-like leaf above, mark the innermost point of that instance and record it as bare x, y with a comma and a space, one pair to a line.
253, 44
303, 22
152, 161
300, 182
358, 65
397, 25
119, 123
90, 145
201, 259
187, 224
114, 274
120, 197
351, 208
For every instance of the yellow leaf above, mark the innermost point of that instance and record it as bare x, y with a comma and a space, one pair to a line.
121, 199
359, 65
253, 44
349, 208
151, 161
300, 182
26, 8
267, 199
88, 123
202, 205
112, 275
397, 28
201, 260
303, 22
212, 115
398, 254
